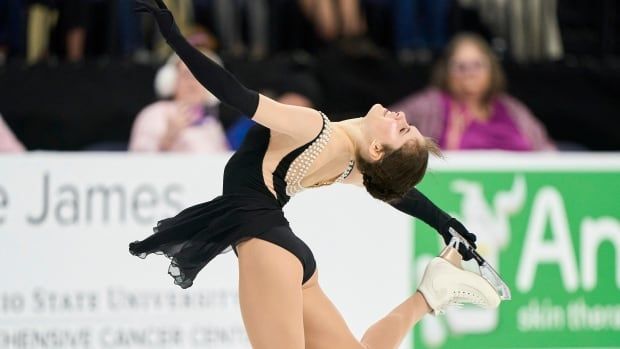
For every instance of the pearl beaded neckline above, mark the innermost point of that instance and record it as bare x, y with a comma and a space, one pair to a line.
300, 166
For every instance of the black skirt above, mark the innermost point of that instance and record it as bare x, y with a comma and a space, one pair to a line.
192, 238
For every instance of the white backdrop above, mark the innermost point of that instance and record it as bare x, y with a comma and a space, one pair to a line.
67, 280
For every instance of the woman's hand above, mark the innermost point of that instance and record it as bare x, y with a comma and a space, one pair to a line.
460, 228
180, 119
162, 15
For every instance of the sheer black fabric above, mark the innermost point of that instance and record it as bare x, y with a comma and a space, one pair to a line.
246, 209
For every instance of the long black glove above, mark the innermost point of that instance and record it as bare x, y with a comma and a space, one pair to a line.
213, 77
416, 204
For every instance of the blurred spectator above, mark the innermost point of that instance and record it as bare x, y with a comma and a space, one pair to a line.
12, 16
290, 29
8, 142
420, 28
182, 12
70, 16
529, 28
125, 30
467, 107
228, 20
193, 120
335, 19
188, 123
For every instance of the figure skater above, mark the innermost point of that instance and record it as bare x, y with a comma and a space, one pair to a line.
290, 149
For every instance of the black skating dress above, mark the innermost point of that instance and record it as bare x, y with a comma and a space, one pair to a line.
246, 209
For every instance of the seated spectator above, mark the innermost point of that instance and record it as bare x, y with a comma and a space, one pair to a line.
467, 106
43, 15
420, 28
228, 17
335, 19
12, 19
187, 123
182, 12
8, 142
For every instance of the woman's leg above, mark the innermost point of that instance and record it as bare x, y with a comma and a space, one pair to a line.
41, 19
325, 327
270, 295
443, 282
390, 331
227, 26
327, 20
258, 20
353, 22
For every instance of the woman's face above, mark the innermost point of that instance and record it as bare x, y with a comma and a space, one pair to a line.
469, 72
387, 128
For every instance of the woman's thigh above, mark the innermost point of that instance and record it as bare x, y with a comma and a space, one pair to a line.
270, 295
323, 325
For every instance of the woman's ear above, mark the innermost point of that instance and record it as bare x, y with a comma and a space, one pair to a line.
375, 151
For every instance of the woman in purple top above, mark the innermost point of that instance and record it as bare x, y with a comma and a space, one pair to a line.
467, 108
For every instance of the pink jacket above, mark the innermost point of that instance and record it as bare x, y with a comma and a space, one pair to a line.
151, 124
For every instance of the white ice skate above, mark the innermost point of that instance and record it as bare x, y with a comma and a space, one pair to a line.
445, 283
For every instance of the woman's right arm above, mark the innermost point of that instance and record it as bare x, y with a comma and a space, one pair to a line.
292, 120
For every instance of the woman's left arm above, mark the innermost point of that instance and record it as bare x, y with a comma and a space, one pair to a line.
417, 205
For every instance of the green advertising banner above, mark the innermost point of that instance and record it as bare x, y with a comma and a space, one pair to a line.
554, 236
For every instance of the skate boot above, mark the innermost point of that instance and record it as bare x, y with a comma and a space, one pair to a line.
445, 283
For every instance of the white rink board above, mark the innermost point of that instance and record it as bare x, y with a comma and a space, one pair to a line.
69, 282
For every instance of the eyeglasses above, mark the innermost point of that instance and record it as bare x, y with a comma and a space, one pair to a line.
463, 67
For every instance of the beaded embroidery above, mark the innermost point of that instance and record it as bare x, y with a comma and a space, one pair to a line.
300, 166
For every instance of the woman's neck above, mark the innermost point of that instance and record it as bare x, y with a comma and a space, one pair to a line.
350, 136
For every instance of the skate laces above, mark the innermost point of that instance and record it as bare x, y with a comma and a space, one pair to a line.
458, 299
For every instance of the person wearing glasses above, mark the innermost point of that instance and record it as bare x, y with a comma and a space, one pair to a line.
467, 107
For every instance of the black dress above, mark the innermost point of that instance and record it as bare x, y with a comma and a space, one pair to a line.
246, 209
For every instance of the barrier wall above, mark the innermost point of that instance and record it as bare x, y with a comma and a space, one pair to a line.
551, 225
68, 281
